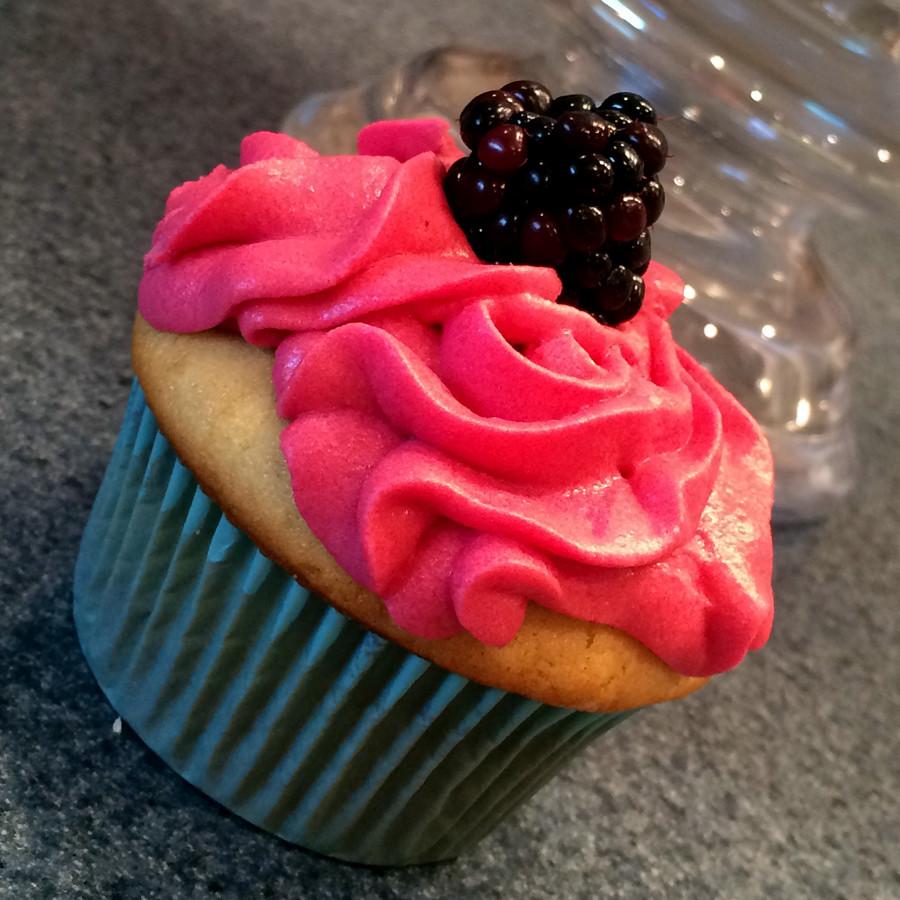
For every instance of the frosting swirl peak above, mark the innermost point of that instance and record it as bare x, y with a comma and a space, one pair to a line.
462, 444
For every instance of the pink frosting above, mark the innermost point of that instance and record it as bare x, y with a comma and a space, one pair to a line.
460, 443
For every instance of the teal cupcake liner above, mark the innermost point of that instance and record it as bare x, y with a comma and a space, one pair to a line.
270, 701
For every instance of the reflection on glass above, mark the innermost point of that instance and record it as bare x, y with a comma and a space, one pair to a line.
780, 113
789, 115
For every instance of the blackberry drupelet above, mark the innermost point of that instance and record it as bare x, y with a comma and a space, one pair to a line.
580, 131
635, 255
568, 102
472, 190
618, 299
503, 148
627, 163
614, 116
563, 182
584, 228
650, 143
533, 184
541, 242
586, 271
626, 218
654, 197
484, 112
632, 105
587, 177
531, 94
540, 131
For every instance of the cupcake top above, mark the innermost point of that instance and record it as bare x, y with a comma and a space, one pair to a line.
461, 443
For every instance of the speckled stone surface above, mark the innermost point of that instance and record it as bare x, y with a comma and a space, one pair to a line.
780, 780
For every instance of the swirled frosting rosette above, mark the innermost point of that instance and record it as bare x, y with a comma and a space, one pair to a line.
462, 444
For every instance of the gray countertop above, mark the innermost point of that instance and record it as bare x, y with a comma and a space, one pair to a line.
780, 780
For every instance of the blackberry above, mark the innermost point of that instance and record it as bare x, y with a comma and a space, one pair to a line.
563, 182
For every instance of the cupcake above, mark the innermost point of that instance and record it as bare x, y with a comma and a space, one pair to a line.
415, 495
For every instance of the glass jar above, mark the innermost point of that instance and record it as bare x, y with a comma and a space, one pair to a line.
782, 120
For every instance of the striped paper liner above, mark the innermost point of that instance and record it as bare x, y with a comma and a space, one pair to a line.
276, 705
